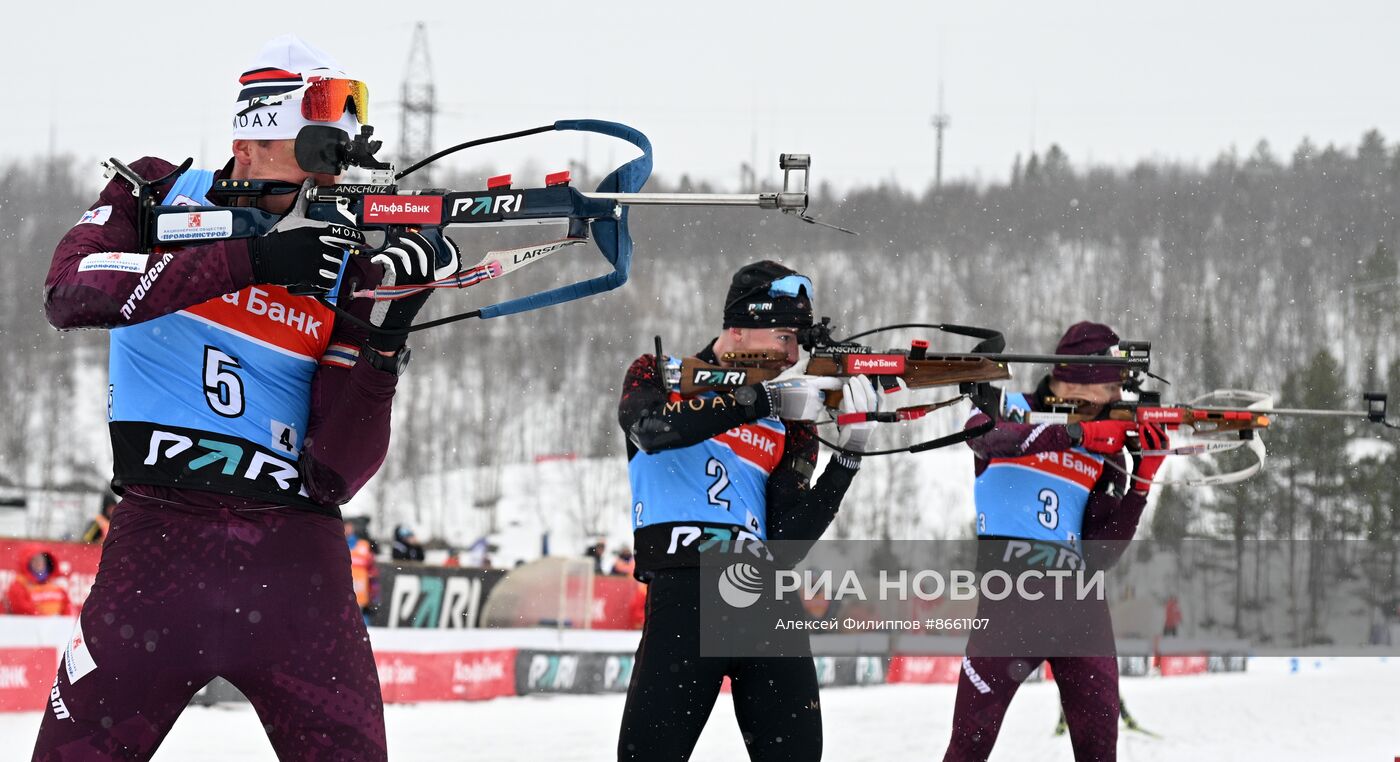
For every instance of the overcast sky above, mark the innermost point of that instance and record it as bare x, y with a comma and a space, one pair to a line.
853, 83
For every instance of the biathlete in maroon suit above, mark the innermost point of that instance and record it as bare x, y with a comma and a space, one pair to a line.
241, 417
1043, 491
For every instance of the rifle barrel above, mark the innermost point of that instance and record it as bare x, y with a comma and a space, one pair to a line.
1305, 411
1052, 359
795, 201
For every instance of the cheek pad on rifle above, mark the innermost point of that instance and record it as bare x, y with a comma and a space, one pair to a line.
321, 150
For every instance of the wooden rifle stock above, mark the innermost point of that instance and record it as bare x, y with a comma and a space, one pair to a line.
1201, 420
699, 376
749, 368
925, 373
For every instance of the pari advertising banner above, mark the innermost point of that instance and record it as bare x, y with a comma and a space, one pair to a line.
440, 597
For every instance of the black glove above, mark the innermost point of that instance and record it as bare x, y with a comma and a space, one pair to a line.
409, 259
302, 252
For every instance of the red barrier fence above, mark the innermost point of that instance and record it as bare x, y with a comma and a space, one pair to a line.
924, 669
1182, 664
25, 677
406, 676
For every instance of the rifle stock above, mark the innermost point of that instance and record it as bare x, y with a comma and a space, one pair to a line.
1201, 420
698, 376
915, 368
744, 368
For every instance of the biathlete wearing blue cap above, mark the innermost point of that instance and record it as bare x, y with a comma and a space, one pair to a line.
736, 465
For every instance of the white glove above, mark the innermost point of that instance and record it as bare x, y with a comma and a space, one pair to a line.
800, 398
858, 395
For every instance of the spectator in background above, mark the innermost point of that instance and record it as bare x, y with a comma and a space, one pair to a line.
595, 552
406, 545
362, 529
37, 589
479, 553
96, 531
364, 575
625, 564
1173, 617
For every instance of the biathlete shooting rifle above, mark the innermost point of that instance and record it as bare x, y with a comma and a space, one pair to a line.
380, 205
917, 367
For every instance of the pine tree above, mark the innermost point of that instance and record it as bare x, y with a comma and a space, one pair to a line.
1171, 517
1375, 289
1057, 164
1303, 154
1212, 373
1371, 158
1325, 466
1262, 161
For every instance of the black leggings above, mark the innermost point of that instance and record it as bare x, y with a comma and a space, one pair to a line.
673, 688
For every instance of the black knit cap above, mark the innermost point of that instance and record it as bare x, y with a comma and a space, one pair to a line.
749, 304
1086, 338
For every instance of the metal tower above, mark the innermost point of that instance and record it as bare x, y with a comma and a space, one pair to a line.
417, 106
940, 123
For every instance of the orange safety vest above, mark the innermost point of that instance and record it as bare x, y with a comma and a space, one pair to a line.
361, 571
26, 596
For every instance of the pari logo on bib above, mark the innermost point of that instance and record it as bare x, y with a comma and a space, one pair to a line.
292, 85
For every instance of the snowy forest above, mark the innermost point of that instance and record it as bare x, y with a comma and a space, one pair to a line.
1271, 270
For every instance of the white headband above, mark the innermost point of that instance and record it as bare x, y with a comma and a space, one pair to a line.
283, 121
282, 67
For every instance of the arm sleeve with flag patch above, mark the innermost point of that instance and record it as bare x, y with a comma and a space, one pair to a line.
798, 511
1013, 440
1111, 517
652, 422
348, 431
98, 278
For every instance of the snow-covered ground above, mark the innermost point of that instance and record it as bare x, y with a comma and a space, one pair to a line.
1331, 709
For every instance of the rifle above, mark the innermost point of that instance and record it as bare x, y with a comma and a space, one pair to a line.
380, 205
916, 367
1205, 428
